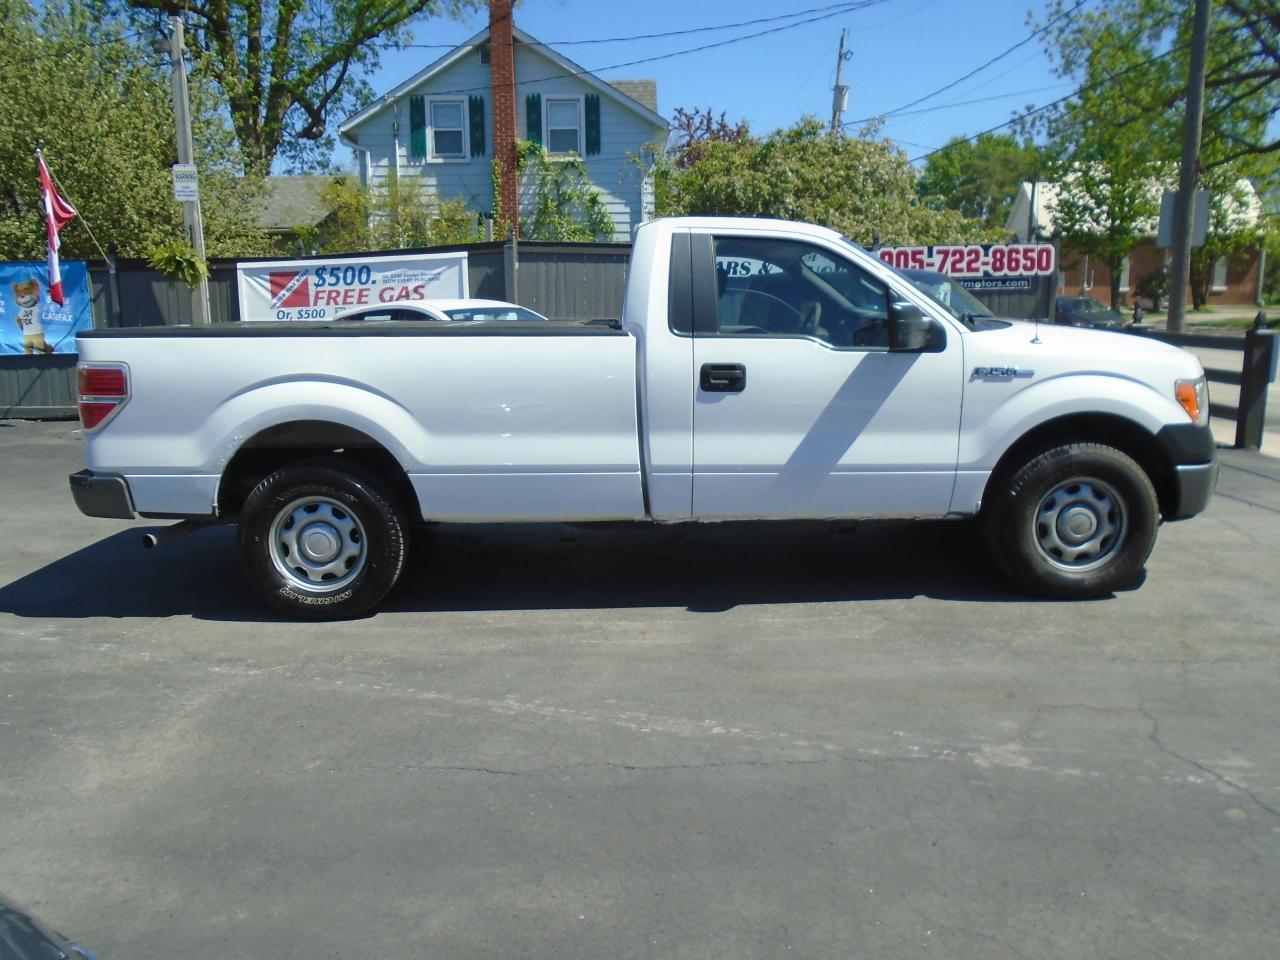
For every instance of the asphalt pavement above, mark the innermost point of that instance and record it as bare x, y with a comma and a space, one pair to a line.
735, 741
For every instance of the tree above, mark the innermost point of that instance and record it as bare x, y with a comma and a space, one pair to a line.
692, 128
860, 185
565, 205
284, 67
1104, 206
980, 177
1231, 231
1120, 137
111, 151
1137, 51
395, 216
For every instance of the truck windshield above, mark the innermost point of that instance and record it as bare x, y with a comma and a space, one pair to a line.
960, 303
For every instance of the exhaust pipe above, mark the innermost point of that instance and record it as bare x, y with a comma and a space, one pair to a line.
154, 538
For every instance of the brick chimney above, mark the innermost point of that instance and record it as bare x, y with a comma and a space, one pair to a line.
502, 74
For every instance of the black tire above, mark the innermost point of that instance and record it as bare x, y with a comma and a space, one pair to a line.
352, 514
1076, 520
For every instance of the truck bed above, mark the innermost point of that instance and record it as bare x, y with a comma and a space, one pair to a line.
494, 420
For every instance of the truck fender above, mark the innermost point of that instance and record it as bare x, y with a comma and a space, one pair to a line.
263, 406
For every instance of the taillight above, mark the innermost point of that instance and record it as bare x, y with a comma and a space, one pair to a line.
103, 389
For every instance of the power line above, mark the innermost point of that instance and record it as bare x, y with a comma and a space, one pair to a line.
1083, 88
853, 4
843, 8
978, 69
1053, 103
965, 103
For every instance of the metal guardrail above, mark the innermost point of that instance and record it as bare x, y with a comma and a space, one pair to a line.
1259, 352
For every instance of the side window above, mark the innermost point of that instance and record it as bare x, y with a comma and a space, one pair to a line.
787, 288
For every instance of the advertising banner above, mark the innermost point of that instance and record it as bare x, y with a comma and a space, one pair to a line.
978, 261
1012, 279
326, 289
31, 323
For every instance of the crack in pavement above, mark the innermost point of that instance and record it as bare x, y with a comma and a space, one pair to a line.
1154, 736
628, 767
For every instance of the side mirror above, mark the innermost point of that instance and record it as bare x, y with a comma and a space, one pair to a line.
909, 328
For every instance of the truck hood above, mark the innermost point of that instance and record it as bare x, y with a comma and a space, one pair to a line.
1051, 350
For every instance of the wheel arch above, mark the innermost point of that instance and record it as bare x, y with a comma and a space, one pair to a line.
1114, 430
292, 441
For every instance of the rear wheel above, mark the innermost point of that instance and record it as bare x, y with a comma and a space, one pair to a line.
1078, 520
321, 540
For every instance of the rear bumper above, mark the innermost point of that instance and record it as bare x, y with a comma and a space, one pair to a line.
102, 495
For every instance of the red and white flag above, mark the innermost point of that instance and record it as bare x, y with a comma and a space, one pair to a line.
57, 213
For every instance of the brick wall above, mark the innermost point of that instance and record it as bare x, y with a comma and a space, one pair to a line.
502, 72
1240, 288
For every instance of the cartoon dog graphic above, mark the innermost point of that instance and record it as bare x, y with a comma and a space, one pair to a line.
27, 297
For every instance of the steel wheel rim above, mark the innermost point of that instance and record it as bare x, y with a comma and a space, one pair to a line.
317, 544
1080, 524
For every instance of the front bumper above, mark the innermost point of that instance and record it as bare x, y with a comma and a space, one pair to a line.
1194, 485
1193, 454
102, 495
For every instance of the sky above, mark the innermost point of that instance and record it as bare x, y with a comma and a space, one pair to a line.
901, 50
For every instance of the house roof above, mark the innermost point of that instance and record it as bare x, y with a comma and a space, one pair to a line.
638, 96
288, 203
642, 91
1243, 209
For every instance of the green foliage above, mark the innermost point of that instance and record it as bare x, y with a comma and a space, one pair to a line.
1271, 278
397, 216
1143, 46
1115, 144
1154, 287
566, 206
98, 102
178, 261
1227, 236
286, 68
979, 178
110, 151
860, 185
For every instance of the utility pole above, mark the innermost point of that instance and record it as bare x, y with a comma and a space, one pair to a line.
191, 216
1185, 200
839, 93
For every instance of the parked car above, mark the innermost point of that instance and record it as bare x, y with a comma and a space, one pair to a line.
762, 370
1086, 312
456, 310
23, 937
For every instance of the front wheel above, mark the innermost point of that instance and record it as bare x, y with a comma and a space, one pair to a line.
1078, 520
320, 540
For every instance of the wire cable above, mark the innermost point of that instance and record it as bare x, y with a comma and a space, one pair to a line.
976, 70
843, 8
853, 4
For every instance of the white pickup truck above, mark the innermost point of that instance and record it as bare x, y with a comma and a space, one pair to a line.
761, 370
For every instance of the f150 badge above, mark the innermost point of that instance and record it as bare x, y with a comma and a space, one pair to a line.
1001, 373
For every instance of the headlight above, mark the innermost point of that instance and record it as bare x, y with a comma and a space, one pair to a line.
1193, 397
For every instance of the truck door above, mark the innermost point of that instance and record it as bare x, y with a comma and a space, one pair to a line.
800, 408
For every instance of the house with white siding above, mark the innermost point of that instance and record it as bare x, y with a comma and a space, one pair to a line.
446, 124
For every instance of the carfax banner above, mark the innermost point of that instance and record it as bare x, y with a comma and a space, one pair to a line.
326, 289
31, 323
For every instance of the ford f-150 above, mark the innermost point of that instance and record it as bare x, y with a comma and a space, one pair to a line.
760, 370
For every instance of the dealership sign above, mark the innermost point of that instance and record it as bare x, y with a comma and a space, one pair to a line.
326, 289
990, 266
